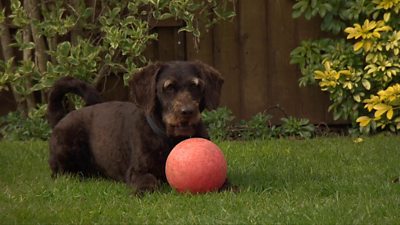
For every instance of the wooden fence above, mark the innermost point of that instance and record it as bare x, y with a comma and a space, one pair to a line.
252, 52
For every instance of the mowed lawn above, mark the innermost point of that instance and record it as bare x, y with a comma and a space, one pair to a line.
317, 181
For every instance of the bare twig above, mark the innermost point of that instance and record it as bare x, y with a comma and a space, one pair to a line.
278, 107
40, 46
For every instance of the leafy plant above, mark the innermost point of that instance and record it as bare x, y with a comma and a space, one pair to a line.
258, 127
360, 72
87, 39
293, 127
335, 14
386, 106
221, 126
218, 122
15, 126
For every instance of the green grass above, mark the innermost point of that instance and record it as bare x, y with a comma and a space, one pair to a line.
319, 181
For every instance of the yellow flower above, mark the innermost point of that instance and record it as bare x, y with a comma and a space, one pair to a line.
327, 84
393, 43
391, 94
369, 30
329, 77
366, 44
363, 120
385, 103
358, 140
381, 27
382, 109
373, 100
347, 73
319, 75
386, 4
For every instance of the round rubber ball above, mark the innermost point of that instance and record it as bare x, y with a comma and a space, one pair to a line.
196, 165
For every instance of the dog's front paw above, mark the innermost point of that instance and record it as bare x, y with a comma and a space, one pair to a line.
145, 183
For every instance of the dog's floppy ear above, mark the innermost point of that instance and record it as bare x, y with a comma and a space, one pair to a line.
213, 86
143, 87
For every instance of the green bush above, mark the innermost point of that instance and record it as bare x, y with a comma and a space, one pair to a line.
219, 123
257, 127
17, 127
90, 40
360, 71
293, 127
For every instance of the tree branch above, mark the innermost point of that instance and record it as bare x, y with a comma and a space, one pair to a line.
40, 45
27, 56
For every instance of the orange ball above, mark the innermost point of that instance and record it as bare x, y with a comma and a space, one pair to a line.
196, 165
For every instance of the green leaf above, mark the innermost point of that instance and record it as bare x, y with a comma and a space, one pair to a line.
296, 14
314, 3
299, 8
2, 15
337, 115
366, 84
357, 98
64, 48
165, 16
116, 11
386, 17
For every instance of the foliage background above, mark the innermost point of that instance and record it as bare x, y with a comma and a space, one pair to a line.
42, 41
358, 67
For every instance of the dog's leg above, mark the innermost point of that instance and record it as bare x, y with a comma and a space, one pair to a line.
70, 153
142, 183
139, 176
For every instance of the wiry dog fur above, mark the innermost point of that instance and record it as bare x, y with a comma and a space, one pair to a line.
127, 141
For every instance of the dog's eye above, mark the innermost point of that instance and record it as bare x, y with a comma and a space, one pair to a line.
195, 84
169, 86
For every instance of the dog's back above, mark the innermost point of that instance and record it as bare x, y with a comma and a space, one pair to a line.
102, 132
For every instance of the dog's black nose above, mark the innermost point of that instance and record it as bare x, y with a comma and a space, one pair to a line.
187, 111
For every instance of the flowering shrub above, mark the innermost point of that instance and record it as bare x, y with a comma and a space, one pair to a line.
361, 72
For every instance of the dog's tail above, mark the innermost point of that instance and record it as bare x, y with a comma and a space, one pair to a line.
56, 108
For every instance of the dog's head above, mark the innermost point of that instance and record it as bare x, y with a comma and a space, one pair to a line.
177, 92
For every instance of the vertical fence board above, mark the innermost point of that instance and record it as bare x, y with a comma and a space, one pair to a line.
170, 46
252, 56
282, 85
204, 51
7, 102
226, 59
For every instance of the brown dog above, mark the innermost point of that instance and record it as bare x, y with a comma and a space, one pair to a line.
130, 141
